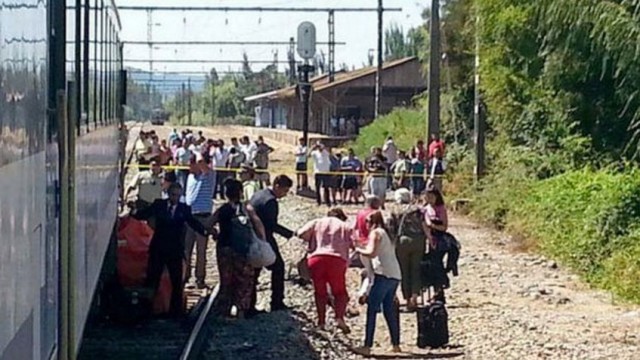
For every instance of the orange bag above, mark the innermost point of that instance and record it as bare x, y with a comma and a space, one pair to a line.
134, 237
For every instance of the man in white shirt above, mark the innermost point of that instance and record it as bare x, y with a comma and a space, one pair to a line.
390, 151
249, 149
321, 168
302, 153
183, 156
219, 157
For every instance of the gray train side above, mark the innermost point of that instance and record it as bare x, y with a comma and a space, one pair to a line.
60, 112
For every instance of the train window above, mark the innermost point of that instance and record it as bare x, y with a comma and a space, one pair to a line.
103, 69
110, 79
95, 64
85, 63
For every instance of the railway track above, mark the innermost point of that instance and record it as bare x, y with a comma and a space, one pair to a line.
158, 339
155, 338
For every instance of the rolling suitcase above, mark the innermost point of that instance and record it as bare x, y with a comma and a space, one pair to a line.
433, 324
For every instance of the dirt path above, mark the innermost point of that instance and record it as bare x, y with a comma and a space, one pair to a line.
504, 305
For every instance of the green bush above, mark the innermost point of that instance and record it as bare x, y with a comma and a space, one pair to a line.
585, 219
404, 124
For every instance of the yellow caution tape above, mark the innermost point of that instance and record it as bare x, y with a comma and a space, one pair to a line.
308, 172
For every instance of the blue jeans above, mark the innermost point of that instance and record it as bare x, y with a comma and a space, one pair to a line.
383, 293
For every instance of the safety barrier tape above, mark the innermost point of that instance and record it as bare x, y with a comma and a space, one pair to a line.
308, 172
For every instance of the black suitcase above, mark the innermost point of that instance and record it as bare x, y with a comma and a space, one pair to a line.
433, 324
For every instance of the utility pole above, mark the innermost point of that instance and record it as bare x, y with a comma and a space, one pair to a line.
213, 104
149, 40
332, 45
380, 60
182, 101
478, 119
433, 127
189, 102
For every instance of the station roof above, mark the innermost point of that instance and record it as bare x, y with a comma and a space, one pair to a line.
321, 82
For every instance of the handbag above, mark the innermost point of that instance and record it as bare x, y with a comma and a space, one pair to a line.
260, 253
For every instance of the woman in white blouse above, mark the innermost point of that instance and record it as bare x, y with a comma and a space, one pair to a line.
387, 277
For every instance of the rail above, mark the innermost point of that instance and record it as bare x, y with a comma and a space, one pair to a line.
194, 344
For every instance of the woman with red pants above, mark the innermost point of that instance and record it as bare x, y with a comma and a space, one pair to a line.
330, 239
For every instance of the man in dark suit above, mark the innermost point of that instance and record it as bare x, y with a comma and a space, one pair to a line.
265, 202
167, 246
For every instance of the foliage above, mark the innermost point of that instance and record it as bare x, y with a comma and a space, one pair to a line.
588, 219
553, 68
398, 45
405, 125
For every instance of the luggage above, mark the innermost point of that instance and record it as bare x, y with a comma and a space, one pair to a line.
134, 237
433, 271
433, 325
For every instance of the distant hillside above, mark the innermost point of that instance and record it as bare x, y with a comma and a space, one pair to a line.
166, 83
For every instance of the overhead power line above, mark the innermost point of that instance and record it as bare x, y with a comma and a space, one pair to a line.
250, 9
202, 72
203, 61
188, 43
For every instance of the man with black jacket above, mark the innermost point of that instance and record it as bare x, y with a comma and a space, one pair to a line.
167, 245
265, 202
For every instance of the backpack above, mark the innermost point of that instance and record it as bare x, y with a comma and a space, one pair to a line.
241, 232
410, 224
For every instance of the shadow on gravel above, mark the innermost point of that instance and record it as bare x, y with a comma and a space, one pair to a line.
270, 336
417, 356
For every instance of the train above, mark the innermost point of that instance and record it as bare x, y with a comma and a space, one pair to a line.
62, 90
159, 117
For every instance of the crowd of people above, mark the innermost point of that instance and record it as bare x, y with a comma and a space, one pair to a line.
343, 178
387, 242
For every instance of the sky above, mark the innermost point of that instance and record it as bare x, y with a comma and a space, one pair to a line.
358, 30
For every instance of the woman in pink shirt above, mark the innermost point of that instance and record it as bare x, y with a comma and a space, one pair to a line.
435, 216
330, 239
437, 220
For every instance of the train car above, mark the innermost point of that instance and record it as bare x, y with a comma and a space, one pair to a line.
61, 91
159, 117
